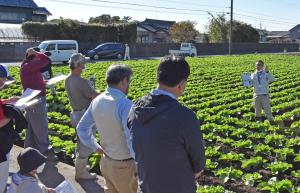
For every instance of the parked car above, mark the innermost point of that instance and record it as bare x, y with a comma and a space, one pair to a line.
61, 50
107, 50
186, 49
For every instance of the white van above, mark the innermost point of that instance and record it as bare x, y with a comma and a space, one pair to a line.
61, 50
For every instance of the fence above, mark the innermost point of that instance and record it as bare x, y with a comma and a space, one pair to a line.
14, 51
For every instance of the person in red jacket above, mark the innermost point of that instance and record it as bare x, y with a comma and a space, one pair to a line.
36, 115
12, 122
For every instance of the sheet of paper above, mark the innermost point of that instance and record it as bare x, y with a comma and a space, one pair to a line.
27, 95
28, 104
246, 78
9, 82
56, 79
65, 187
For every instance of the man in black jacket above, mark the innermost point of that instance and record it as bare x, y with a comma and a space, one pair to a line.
166, 137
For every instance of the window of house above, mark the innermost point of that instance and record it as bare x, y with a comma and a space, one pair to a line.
11, 16
144, 39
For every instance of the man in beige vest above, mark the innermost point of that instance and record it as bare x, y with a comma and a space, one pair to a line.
109, 112
80, 93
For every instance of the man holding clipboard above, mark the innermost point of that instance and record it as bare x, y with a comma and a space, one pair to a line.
260, 80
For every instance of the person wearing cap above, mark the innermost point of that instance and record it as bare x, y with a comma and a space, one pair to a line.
36, 115
4, 75
31, 162
109, 112
80, 93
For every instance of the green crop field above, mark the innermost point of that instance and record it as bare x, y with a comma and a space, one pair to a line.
242, 155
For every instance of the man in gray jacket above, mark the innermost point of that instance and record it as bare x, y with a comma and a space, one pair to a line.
261, 79
166, 137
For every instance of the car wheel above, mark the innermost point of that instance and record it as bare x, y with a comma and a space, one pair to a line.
192, 55
96, 57
120, 56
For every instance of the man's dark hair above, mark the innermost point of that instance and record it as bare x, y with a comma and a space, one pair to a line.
260, 62
117, 72
172, 70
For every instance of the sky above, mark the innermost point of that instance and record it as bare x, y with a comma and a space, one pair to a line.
272, 15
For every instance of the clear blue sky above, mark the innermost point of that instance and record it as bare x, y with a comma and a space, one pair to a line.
279, 15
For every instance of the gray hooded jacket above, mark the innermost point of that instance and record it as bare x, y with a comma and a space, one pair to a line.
25, 184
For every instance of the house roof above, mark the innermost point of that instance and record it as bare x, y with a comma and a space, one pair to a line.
11, 32
19, 3
278, 34
41, 11
155, 25
297, 26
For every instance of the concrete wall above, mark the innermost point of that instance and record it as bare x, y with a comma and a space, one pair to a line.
15, 51
150, 50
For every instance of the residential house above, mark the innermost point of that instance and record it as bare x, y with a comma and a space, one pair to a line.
154, 31
279, 37
19, 11
295, 33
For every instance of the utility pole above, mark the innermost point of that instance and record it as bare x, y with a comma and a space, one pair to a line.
230, 33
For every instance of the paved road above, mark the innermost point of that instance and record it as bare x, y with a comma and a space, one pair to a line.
55, 173
90, 61
147, 58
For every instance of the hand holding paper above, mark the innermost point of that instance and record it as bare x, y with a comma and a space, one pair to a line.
25, 99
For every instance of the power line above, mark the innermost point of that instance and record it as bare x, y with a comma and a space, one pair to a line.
255, 19
180, 2
283, 20
269, 16
125, 8
154, 6
268, 20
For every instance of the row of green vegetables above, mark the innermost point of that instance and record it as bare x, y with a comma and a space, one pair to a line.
238, 149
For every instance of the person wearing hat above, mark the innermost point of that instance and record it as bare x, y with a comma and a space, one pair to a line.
36, 115
31, 162
4, 75
80, 93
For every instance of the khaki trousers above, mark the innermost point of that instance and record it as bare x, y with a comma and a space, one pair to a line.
120, 176
82, 151
263, 102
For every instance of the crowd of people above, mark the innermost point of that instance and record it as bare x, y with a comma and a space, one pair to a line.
151, 146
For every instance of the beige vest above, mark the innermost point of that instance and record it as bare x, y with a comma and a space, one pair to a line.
112, 137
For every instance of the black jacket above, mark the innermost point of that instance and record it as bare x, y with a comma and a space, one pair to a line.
168, 145
9, 132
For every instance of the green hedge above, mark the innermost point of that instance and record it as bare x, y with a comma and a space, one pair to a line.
70, 29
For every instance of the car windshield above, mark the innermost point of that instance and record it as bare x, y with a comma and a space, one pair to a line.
43, 46
98, 46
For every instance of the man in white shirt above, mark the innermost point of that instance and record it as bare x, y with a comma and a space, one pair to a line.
261, 79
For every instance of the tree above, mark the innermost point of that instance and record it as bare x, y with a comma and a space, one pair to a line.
106, 19
126, 19
183, 31
103, 19
242, 32
218, 30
